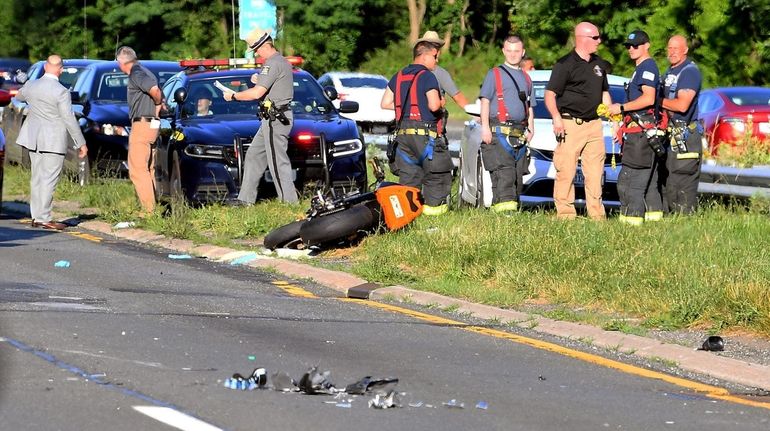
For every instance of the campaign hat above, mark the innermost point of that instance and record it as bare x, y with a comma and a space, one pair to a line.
432, 37
256, 38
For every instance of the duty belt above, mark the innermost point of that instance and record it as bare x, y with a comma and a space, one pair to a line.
509, 131
577, 120
419, 132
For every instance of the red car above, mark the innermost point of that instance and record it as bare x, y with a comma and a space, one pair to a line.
730, 113
5, 97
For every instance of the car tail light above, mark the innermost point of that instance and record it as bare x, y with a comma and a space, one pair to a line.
342, 96
737, 124
13, 92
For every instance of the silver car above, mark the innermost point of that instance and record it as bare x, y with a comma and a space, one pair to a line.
475, 183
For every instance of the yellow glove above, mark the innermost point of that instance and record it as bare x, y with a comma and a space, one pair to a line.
604, 111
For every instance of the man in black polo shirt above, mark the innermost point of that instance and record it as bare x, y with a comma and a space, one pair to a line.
577, 86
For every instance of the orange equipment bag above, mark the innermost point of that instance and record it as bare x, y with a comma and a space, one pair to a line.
400, 204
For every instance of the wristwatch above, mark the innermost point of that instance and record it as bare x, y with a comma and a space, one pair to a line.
233, 97
622, 108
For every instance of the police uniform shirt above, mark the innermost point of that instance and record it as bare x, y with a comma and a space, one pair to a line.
445, 82
685, 76
140, 81
514, 105
579, 84
645, 74
276, 76
425, 82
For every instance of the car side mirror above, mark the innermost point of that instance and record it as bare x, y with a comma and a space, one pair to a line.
180, 95
348, 107
331, 92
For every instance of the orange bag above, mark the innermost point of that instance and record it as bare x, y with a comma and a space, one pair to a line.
400, 204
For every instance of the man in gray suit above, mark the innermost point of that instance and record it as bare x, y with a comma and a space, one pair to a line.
46, 133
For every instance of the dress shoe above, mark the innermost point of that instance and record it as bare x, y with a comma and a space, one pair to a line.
51, 225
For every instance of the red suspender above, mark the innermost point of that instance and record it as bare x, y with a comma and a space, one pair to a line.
502, 111
414, 109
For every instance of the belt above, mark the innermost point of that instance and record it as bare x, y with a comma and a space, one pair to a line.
147, 119
420, 132
577, 120
509, 131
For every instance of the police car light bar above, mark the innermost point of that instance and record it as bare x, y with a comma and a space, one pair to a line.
234, 62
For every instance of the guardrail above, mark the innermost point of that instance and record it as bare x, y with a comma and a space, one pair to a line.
733, 181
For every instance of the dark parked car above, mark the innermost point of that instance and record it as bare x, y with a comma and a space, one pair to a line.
200, 150
15, 114
730, 113
2, 166
100, 100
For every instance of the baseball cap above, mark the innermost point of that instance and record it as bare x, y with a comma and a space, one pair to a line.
637, 37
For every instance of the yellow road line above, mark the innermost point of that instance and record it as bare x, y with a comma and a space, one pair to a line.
292, 289
86, 236
710, 391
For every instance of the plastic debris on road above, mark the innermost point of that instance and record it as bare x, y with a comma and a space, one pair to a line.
282, 381
381, 401
369, 384
244, 259
124, 225
258, 379
62, 264
454, 404
179, 256
315, 383
482, 405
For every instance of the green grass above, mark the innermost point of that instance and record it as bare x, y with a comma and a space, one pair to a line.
710, 270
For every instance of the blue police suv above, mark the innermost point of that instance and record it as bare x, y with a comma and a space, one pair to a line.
203, 138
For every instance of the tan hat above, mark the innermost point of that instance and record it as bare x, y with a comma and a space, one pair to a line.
257, 38
432, 37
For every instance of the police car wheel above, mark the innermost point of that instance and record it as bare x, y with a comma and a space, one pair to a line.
479, 182
175, 179
340, 226
460, 202
285, 236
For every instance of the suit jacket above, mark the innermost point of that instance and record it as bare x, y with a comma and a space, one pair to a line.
50, 117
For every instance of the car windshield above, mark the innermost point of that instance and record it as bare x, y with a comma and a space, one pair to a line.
364, 81
308, 97
112, 86
70, 75
750, 97
617, 93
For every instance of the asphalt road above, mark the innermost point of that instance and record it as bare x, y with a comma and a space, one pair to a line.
128, 339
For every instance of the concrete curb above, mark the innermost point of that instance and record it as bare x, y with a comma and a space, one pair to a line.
728, 369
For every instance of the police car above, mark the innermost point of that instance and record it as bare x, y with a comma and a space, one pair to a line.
203, 138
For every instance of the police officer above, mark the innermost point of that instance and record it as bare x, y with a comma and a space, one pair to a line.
507, 125
577, 86
638, 179
420, 158
681, 87
275, 90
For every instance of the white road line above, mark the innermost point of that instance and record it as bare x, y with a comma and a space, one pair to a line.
175, 418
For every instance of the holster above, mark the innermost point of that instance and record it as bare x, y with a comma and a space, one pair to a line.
390, 150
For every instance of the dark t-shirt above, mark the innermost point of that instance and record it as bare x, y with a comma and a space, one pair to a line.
140, 81
579, 84
685, 76
425, 82
645, 74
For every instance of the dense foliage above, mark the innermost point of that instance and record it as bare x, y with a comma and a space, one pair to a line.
730, 39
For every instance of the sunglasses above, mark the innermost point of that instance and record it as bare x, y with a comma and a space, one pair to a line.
597, 37
632, 46
435, 56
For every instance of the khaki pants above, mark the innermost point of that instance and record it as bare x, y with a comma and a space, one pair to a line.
141, 163
584, 141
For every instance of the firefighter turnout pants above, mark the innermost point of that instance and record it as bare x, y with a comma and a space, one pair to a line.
638, 190
584, 140
268, 150
683, 175
424, 162
506, 162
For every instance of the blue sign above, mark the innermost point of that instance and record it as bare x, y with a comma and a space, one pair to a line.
256, 14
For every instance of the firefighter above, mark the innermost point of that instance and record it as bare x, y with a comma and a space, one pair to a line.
638, 179
417, 155
681, 87
507, 125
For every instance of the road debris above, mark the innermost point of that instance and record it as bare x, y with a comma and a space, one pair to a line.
454, 404
315, 383
713, 343
124, 225
482, 405
62, 264
369, 384
244, 259
282, 381
381, 401
179, 256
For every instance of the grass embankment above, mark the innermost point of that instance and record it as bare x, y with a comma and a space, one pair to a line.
710, 270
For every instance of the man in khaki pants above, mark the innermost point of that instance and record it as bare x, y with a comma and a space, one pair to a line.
144, 103
577, 86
